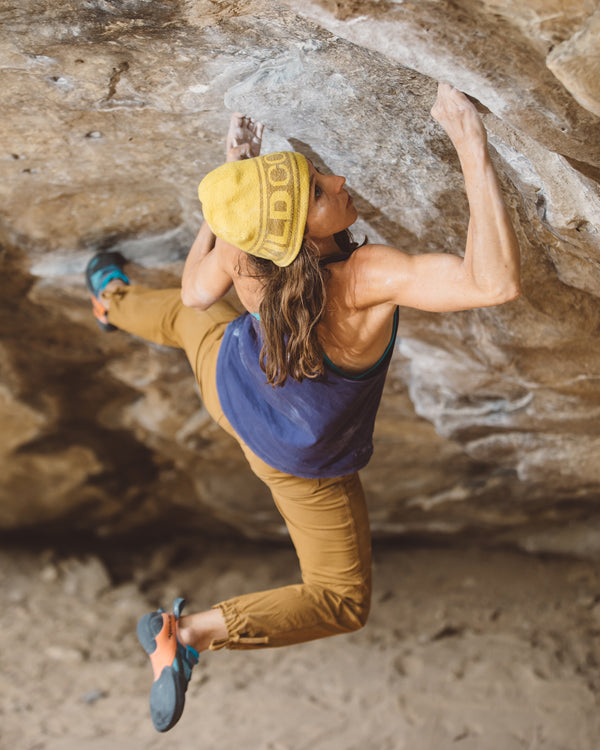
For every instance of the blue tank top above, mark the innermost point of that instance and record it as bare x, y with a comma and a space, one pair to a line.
321, 427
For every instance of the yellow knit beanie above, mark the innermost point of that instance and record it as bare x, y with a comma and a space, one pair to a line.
259, 205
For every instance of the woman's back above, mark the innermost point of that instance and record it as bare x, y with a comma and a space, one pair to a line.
353, 337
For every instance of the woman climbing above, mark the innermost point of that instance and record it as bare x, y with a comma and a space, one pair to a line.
297, 379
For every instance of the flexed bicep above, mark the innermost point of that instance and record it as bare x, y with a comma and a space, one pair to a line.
435, 282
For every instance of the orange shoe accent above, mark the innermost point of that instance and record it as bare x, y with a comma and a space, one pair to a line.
166, 646
99, 310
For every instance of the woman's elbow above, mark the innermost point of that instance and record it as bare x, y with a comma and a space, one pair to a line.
508, 293
190, 298
505, 288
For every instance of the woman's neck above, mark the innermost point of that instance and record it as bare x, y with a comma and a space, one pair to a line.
327, 246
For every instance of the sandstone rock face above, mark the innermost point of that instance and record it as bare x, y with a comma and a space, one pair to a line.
113, 112
576, 63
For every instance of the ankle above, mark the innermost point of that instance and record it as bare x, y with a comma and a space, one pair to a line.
113, 286
201, 629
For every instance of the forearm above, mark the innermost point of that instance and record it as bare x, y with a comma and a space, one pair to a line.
195, 272
492, 254
490, 270
202, 246
206, 275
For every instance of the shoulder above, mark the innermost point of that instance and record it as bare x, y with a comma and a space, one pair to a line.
228, 256
370, 273
374, 258
236, 265
374, 254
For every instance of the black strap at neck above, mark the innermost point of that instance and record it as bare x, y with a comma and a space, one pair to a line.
337, 258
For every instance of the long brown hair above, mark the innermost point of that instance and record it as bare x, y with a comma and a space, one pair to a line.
292, 305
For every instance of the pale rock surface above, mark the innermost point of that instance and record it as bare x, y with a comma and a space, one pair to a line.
576, 63
113, 112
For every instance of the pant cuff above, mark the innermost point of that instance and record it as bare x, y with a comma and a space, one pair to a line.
234, 624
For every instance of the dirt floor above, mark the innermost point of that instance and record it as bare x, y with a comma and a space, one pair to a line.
465, 649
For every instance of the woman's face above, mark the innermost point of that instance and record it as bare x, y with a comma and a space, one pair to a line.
330, 207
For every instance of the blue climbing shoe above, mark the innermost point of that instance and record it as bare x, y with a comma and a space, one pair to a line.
172, 664
101, 270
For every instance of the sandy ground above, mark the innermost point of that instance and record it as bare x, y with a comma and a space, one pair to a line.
465, 649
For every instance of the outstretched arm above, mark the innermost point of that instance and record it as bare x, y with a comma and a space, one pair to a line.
205, 278
489, 272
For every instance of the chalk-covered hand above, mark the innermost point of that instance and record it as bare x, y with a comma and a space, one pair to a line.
244, 137
459, 118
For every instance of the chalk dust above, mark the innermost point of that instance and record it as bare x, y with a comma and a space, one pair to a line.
465, 650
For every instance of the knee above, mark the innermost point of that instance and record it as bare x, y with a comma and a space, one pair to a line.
354, 607
362, 608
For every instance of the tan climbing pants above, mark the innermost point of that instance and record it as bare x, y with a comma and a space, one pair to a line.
326, 518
